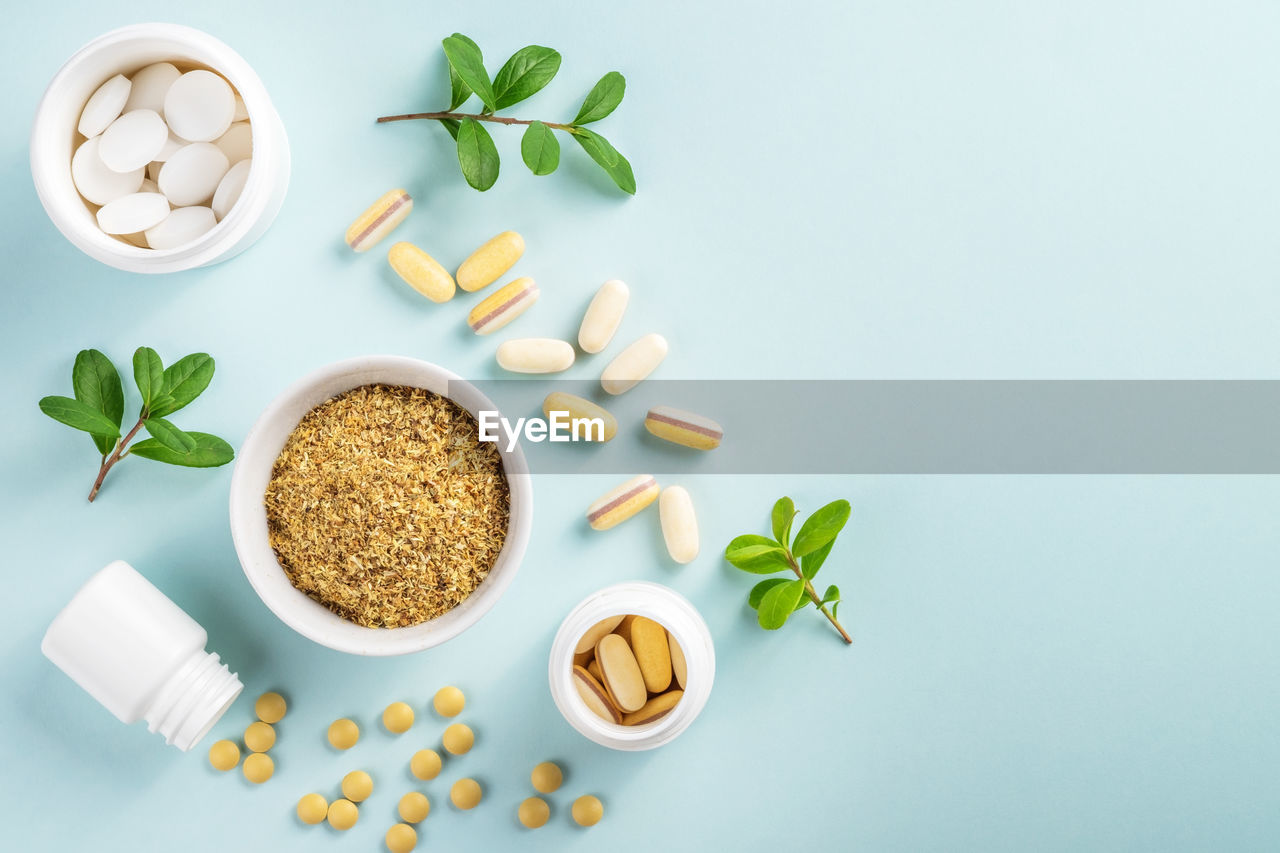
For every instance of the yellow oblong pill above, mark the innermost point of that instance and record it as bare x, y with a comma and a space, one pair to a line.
503, 306
579, 409
379, 220
421, 272
686, 428
487, 264
619, 504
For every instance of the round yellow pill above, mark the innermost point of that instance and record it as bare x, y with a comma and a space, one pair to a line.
258, 767
458, 739
587, 810
343, 733
224, 755
270, 707
401, 838
398, 717
546, 777
312, 808
465, 793
357, 786
534, 812
414, 807
343, 814
425, 764
449, 701
259, 737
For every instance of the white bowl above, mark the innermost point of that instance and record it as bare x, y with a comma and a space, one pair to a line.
249, 515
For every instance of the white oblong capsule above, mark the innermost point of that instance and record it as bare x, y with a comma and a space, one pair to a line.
633, 364
535, 355
487, 264
503, 306
603, 316
679, 523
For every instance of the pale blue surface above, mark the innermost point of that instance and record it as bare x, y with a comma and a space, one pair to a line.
896, 189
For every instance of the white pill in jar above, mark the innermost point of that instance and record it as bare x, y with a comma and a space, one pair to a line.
199, 106
237, 142
230, 187
95, 181
180, 227
191, 175
133, 140
172, 146
535, 355
133, 213
104, 105
603, 316
634, 364
150, 85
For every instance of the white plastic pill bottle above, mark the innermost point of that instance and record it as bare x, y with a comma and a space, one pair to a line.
682, 621
141, 656
124, 51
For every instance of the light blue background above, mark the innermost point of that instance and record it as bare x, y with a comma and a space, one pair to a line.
870, 190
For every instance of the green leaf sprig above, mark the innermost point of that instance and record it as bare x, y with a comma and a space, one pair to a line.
525, 73
98, 409
775, 599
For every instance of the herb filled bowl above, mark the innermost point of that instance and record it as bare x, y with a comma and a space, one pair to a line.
367, 515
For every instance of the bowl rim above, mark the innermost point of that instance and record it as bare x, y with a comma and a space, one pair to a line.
293, 607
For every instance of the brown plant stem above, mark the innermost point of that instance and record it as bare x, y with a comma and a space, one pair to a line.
116, 456
813, 594
475, 116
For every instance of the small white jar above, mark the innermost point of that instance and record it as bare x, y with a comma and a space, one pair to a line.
124, 51
682, 621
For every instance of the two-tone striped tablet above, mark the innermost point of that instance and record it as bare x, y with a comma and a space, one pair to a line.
686, 428
379, 220
617, 505
503, 306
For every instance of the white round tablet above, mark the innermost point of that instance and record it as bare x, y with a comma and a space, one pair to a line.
199, 106
95, 181
230, 187
180, 227
237, 142
133, 140
171, 146
150, 85
191, 175
104, 105
132, 213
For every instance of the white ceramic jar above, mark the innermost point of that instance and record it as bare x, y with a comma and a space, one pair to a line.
682, 621
124, 51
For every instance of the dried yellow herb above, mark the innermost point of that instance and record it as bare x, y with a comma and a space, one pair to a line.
385, 507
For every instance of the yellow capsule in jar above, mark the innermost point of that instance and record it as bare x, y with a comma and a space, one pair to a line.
587, 421
487, 263
421, 272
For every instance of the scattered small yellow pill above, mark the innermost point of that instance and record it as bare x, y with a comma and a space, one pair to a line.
357, 786
379, 220
587, 810
465, 793
490, 261
224, 755
458, 739
343, 814
270, 707
258, 767
401, 838
425, 764
449, 701
259, 737
503, 306
421, 272
343, 733
414, 807
546, 777
398, 718
534, 812
585, 412
617, 505
312, 808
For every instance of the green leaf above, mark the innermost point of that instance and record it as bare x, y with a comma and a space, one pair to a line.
783, 513
758, 591
540, 149
169, 435
210, 451
756, 554
184, 380
97, 384
832, 594
451, 125
528, 70
821, 528
459, 91
477, 155
609, 159
603, 98
79, 415
810, 563
468, 63
148, 373
778, 603
802, 603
